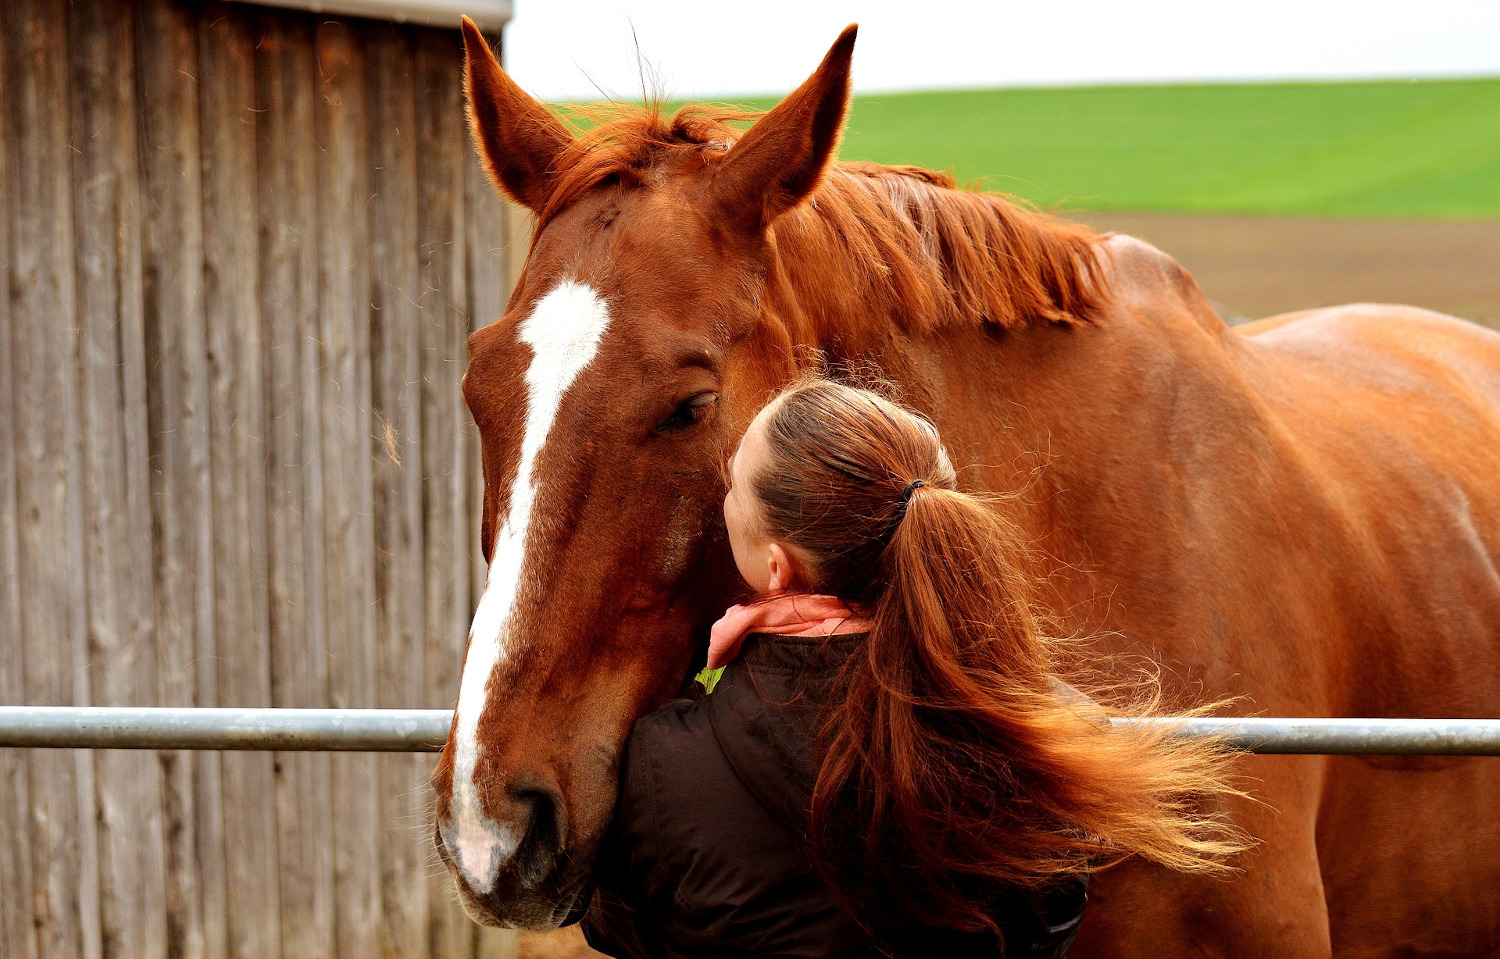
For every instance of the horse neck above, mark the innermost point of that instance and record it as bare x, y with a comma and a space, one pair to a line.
1110, 437
988, 316
885, 253
1101, 437
1082, 405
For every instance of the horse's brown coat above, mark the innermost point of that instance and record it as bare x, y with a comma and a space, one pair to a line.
1305, 512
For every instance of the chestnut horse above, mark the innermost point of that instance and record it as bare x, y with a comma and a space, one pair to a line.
1304, 512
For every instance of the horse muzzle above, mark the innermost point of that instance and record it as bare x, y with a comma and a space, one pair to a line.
514, 870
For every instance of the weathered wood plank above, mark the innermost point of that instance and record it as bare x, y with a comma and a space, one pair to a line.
17, 932
443, 317
48, 482
445, 470
116, 486
348, 508
308, 256
238, 428
166, 61
519, 225
396, 349
289, 302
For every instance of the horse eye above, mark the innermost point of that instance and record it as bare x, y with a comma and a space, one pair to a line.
690, 413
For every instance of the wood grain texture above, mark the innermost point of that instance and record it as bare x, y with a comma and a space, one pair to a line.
238, 429
443, 318
17, 931
240, 251
519, 225
116, 486
347, 434
396, 374
166, 65
48, 483
289, 301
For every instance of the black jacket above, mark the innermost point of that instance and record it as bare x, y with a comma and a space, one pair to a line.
708, 855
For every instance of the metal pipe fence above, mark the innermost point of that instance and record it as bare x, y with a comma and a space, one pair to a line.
425, 730
323, 730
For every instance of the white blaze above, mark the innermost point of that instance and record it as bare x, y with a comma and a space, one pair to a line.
563, 331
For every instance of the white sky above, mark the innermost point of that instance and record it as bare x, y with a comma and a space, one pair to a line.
559, 49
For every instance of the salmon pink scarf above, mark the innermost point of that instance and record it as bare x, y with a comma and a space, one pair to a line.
792, 614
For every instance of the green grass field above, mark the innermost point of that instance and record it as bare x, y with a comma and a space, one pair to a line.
1429, 149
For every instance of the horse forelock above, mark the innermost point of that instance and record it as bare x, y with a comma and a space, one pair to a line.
627, 142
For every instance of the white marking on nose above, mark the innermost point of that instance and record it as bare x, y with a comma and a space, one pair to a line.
563, 331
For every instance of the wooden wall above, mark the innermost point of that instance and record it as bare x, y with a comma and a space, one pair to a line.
240, 249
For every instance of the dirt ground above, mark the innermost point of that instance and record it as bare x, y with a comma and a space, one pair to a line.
1252, 267
563, 944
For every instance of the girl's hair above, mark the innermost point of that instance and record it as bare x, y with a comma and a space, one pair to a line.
948, 753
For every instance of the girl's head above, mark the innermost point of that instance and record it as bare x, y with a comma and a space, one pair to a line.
819, 483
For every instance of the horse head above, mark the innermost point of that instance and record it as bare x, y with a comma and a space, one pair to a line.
637, 345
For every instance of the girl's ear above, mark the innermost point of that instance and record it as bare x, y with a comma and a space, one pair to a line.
786, 571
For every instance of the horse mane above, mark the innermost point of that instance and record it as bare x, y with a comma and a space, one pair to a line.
918, 250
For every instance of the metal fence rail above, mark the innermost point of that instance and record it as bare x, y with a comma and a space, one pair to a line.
1348, 737
123, 727
424, 730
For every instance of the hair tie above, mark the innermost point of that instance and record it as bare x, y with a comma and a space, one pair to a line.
910, 489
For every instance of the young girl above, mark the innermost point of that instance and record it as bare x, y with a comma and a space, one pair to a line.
887, 766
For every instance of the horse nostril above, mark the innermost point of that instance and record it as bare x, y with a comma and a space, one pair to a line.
536, 855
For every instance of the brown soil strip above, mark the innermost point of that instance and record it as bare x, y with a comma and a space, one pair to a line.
1252, 267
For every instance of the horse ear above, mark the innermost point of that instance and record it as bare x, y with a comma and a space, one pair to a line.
519, 139
781, 159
